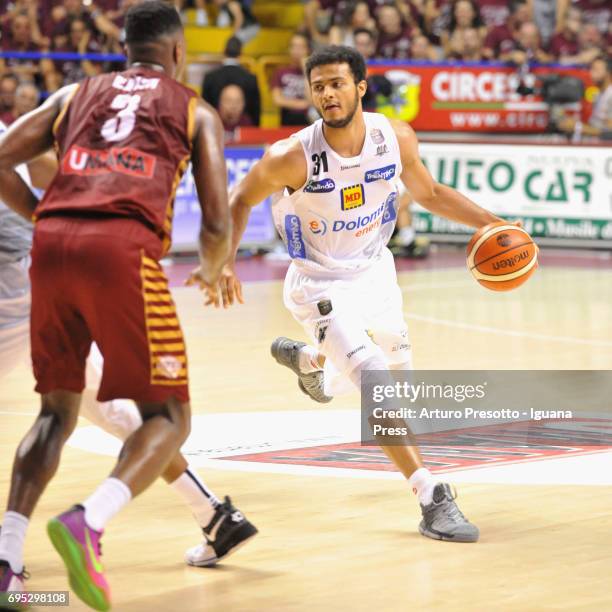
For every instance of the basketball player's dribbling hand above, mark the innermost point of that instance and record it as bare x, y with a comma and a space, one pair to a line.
230, 286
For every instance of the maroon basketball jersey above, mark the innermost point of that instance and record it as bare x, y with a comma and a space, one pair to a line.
123, 143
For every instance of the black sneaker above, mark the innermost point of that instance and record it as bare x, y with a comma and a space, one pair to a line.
226, 532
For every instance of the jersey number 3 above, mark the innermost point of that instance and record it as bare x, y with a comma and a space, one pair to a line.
121, 125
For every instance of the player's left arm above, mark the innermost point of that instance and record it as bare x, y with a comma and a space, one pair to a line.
435, 197
28, 137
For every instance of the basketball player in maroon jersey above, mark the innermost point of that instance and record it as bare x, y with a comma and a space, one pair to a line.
123, 140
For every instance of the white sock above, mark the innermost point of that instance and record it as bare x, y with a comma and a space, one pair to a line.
406, 235
309, 359
201, 500
106, 501
12, 537
423, 482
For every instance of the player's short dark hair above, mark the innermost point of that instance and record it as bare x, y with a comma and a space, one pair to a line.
149, 20
338, 54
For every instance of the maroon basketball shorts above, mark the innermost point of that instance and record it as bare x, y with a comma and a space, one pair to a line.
99, 279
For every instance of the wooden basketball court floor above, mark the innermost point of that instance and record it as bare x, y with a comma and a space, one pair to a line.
338, 540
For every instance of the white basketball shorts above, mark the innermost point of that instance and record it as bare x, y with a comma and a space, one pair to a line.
366, 319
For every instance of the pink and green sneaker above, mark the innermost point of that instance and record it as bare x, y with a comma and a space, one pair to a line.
79, 547
12, 588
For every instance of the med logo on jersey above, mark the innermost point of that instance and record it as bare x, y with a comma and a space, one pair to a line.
352, 197
380, 174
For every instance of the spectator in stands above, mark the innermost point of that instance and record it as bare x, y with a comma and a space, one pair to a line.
232, 111
597, 12
394, 34
201, 16
8, 86
496, 12
590, 46
237, 14
565, 43
27, 97
464, 15
529, 45
32, 10
289, 90
365, 42
358, 16
600, 122
421, 49
232, 73
319, 16
435, 19
96, 21
20, 39
469, 47
64, 72
544, 14
501, 41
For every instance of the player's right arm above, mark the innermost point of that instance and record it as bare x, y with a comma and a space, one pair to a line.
210, 177
283, 165
27, 138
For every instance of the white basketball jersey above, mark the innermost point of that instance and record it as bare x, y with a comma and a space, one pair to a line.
15, 232
342, 217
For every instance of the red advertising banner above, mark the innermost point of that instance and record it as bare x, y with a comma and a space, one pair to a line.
483, 98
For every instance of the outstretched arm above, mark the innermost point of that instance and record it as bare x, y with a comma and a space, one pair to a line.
435, 197
27, 138
210, 177
283, 165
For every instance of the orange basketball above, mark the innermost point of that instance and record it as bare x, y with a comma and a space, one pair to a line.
502, 256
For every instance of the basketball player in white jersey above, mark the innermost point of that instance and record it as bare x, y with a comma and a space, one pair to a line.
224, 527
339, 178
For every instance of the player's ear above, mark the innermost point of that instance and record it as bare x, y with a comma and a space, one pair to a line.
179, 54
362, 87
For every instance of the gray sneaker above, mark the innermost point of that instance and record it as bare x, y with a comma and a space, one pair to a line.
442, 519
286, 352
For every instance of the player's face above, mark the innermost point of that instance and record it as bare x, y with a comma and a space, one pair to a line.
335, 94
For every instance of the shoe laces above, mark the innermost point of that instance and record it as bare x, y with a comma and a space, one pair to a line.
450, 508
447, 505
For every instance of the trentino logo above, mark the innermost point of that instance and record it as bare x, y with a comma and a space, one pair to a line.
324, 186
293, 232
380, 174
390, 213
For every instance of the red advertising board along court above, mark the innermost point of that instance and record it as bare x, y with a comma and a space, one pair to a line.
471, 98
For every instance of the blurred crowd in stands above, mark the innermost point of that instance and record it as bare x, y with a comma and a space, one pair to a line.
514, 31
